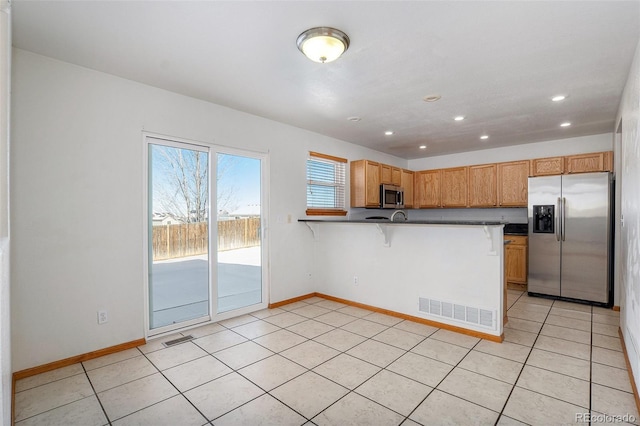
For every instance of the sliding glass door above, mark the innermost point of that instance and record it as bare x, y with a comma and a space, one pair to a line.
239, 231
205, 237
179, 284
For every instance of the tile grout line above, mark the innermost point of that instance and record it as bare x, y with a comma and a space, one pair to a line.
96, 394
175, 387
524, 363
277, 353
345, 353
443, 379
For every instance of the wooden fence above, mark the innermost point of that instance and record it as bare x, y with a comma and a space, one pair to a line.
191, 239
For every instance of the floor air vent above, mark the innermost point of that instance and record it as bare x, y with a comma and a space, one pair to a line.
177, 341
466, 314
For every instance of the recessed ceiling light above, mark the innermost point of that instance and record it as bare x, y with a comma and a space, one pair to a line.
483, 137
565, 124
431, 98
388, 132
354, 119
558, 98
459, 118
422, 147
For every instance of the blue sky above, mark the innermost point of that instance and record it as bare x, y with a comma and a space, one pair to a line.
238, 182
242, 176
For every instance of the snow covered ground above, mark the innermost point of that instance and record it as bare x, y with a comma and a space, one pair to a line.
180, 289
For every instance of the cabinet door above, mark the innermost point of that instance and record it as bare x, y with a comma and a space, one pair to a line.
372, 174
396, 176
385, 174
365, 183
595, 162
513, 184
455, 182
427, 189
516, 259
482, 186
406, 182
547, 166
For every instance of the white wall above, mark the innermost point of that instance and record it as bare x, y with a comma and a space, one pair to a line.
5, 317
77, 162
629, 189
457, 264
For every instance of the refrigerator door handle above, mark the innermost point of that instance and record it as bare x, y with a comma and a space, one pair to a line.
558, 223
564, 208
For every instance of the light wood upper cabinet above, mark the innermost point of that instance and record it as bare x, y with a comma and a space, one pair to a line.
594, 162
482, 186
455, 183
513, 184
406, 182
547, 166
365, 183
390, 175
385, 174
516, 259
426, 189
396, 176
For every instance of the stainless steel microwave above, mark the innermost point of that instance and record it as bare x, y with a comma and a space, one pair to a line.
391, 197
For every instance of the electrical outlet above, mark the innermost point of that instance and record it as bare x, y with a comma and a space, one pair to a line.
355, 280
102, 317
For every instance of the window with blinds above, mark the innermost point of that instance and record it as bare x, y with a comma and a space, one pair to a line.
326, 179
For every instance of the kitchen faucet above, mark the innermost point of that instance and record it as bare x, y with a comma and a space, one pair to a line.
396, 213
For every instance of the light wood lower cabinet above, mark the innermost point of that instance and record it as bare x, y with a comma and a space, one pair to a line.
515, 261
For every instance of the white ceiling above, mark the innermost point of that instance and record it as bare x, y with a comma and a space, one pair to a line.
496, 63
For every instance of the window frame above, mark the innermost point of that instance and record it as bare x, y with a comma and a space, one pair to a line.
337, 211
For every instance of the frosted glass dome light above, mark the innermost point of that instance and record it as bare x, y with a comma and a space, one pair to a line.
323, 44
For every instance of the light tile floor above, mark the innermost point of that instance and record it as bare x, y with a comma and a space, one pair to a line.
325, 363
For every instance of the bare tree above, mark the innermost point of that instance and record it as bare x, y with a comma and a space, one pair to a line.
226, 191
182, 185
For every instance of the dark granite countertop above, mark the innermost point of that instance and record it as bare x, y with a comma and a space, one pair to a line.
516, 229
408, 222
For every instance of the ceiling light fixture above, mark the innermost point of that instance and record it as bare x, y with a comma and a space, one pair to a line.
459, 118
558, 98
388, 132
323, 44
483, 137
565, 124
422, 147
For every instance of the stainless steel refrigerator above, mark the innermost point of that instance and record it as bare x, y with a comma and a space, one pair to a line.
570, 236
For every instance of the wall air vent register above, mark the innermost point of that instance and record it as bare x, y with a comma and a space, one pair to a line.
485, 318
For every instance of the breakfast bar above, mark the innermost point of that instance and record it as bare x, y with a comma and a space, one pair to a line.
449, 273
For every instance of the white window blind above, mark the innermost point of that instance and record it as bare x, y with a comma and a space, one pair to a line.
325, 182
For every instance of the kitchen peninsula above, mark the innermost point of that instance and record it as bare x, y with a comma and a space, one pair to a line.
445, 272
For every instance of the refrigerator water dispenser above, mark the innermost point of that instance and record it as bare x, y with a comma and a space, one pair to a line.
543, 219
